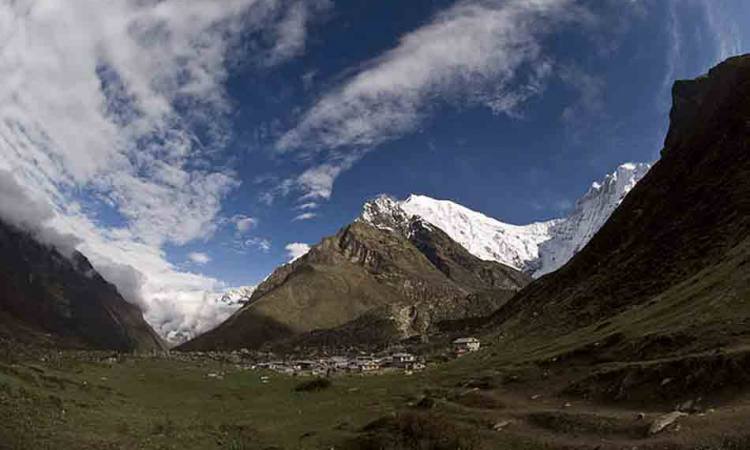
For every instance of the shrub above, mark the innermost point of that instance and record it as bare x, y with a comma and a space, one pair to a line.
314, 385
416, 431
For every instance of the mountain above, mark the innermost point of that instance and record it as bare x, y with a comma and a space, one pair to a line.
384, 277
667, 279
238, 296
48, 297
538, 248
569, 235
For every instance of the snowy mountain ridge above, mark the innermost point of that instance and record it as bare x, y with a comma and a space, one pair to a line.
538, 248
237, 296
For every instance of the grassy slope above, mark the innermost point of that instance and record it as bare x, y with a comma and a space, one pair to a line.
71, 401
169, 404
68, 403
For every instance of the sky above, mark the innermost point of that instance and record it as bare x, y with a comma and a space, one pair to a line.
187, 147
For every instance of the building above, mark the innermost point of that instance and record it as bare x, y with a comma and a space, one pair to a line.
465, 345
402, 360
367, 363
338, 362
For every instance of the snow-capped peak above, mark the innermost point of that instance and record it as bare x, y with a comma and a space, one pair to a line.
385, 213
592, 211
537, 248
484, 237
238, 296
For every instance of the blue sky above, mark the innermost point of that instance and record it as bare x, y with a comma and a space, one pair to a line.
604, 102
182, 146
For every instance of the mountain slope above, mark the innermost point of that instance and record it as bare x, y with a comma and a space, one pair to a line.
669, 274
45, 296
404, 275
538, 248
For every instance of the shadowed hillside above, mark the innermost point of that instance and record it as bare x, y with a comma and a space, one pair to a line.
47, 297
668, 275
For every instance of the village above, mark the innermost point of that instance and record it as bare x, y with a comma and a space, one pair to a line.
383, 362
327, 365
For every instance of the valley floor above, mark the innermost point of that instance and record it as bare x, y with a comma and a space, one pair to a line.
88, 400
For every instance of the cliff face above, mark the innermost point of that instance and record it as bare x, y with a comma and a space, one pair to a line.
367, 283
45, 293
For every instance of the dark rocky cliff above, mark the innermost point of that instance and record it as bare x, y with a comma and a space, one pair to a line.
45, 293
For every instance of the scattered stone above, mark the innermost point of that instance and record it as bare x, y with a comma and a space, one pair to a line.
687, 406
640, 416
567, 405
666, 381
536, 396
500, 426
665, 421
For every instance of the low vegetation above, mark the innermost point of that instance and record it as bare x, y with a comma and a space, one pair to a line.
314, 385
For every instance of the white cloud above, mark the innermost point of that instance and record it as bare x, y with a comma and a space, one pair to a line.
261, 244
477, 52
295, 250
305, 216
178, 304
243, 223
290, 33
199, 258
307, 206
317, 182
101, 100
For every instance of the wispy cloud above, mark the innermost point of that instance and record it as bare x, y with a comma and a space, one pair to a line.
199, 258
290, 33
726, 35
727, 31
243, 224
261, 244
307, 206
305, 216
317, 181
590, 93
123, 102
478, 52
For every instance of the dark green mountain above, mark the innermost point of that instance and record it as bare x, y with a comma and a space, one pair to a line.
667, 279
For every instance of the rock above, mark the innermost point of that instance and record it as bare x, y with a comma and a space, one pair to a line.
500, 426
426, 403
567, 405
687, 406
663, 422
536, 396
640, 416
